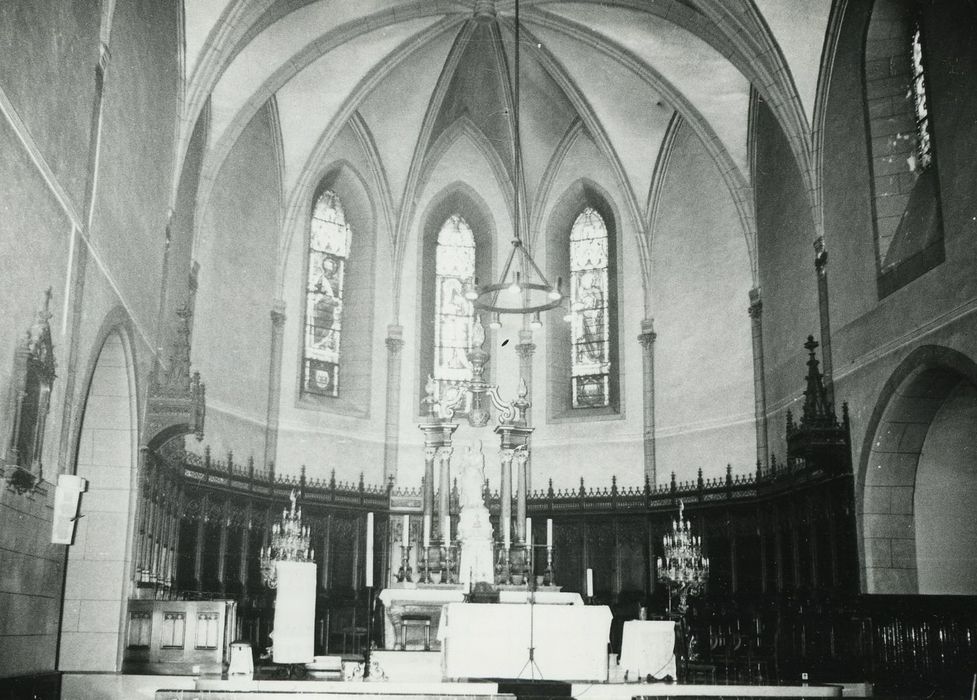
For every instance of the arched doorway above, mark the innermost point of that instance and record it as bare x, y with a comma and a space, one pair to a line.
920, 479
98, 569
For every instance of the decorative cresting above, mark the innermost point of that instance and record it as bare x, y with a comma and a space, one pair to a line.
33, 376
684, 570
290, 541
526, 291
176, 404
820, 441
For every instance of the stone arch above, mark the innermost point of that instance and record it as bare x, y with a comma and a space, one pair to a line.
98, 571
346, 181
456, 198
579, 195
915, 443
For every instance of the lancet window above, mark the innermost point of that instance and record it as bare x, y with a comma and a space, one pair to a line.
329, 241
924, 137
590, 332
454, 314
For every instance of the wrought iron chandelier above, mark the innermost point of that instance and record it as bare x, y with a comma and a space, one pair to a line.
289, 542
527, 291
684, 570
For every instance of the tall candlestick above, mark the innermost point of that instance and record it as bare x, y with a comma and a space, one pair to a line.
446, 530
590, 583
549, 532
369, 550
427, 531
506, 534
405, 535
529, 530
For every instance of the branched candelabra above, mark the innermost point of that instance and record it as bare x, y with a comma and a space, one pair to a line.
289, 542
684, 570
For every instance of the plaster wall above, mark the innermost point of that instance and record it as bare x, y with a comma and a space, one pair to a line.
704, 414
344, 434
787, 281
236, 250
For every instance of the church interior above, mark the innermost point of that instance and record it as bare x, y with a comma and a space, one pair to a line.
340, 337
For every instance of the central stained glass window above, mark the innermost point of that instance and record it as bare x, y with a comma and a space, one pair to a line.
590, 331
329, 240
454, 314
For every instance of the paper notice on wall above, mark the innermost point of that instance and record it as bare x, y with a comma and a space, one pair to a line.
66, 497
294, 631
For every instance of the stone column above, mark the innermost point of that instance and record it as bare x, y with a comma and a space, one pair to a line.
821, 267
521, 457
647, 340
759, 385
505, 494
444, 489
430, 452
274, 382
395, 344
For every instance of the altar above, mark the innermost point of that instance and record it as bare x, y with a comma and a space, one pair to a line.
428, 601
493, 641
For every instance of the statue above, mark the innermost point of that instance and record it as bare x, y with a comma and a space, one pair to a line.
474, 527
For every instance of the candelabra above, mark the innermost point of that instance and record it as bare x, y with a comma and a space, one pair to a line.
684, 570
289, 542
404, 573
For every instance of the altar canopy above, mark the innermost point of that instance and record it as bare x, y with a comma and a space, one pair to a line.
492, 641
294, 631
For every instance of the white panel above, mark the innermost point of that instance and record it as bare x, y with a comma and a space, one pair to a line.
294, 613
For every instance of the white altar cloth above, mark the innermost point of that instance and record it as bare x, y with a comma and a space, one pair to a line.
648, 647
294, 613
492, 641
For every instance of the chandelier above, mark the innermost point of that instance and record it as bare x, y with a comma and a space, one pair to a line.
684, 570
527, 291
289, 542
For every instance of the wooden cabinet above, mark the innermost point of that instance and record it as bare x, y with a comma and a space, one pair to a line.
178, 637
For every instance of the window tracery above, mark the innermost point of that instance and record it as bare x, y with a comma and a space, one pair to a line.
590, 332
454, 314
329, 243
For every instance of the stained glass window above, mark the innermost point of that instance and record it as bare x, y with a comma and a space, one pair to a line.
454, 269
329, 239
924, 136
590, 331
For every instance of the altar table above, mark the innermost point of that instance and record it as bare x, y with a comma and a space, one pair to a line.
493, 640
648, 647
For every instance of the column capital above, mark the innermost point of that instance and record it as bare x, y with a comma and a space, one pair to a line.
278, 313
820, 256
756, 305
647, 335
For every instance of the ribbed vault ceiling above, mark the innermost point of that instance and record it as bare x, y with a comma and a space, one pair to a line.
407, 72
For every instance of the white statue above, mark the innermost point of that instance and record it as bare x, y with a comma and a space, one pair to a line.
474, 527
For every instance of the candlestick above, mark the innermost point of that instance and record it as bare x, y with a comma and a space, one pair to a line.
590, 583
369, 550
405, 535
446, 529
506, 535
529, 530
427, 531
549, 532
